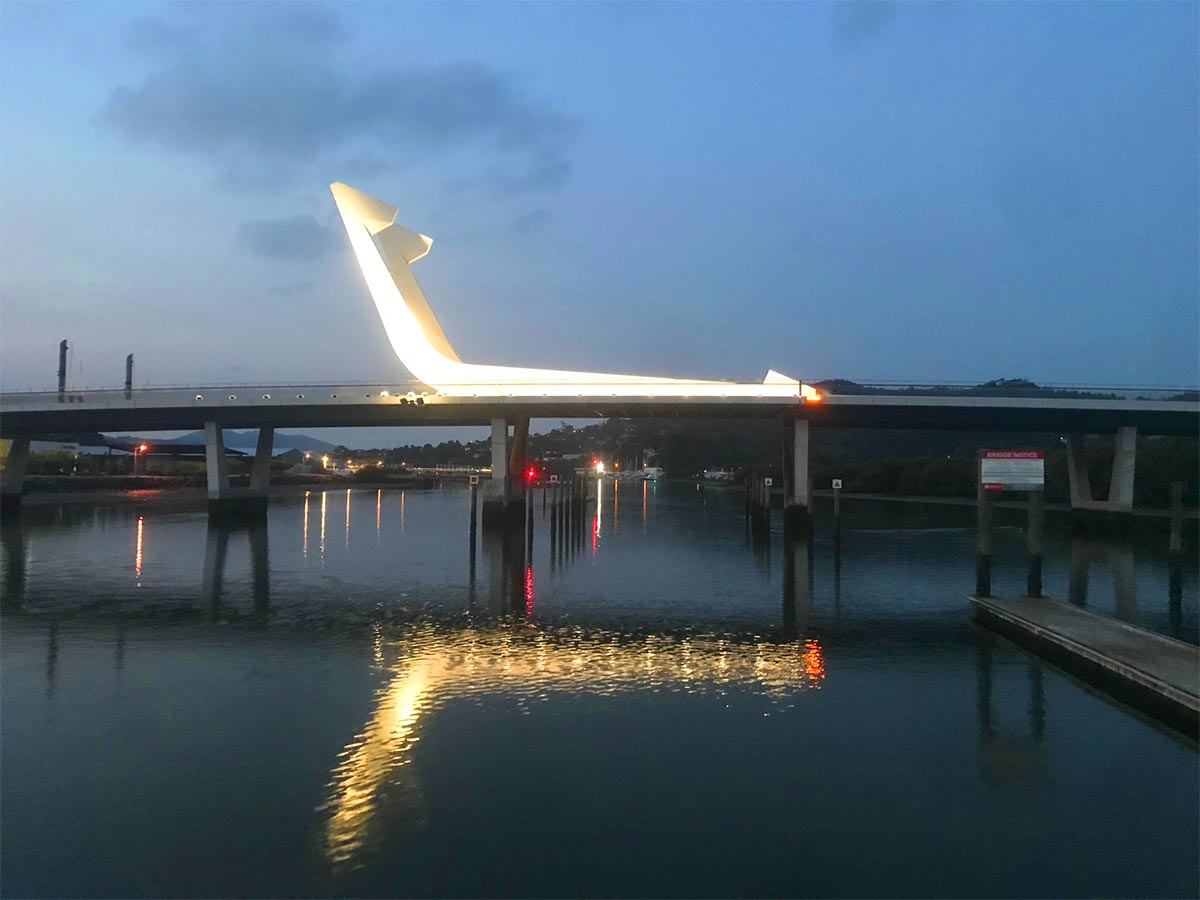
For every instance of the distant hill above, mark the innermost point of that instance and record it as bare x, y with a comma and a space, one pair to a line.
999, 387
246, 440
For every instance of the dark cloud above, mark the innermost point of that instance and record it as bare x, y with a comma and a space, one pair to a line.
292, 239
269, 98
531, 222
858, 21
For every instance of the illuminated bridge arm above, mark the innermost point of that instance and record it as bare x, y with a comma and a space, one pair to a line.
385, 250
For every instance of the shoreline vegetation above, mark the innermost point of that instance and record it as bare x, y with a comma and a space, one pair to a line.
903, 464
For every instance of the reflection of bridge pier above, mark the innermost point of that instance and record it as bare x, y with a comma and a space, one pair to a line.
797, 582
504, 549
12, 538
12, 479
1120, 561
216, 548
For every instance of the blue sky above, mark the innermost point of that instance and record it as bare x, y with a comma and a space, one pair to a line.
872, 191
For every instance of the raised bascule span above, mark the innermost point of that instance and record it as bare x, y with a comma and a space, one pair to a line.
386, 251
452, 392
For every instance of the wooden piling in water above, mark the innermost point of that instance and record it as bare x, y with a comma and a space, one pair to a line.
1033, 536
1176, 544
983, 542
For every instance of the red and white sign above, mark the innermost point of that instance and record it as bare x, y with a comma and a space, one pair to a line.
1012, 470
474, 479
554, 479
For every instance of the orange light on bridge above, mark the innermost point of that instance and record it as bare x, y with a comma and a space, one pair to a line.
142, 448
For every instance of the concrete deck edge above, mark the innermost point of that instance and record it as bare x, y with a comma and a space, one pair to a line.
1176, 707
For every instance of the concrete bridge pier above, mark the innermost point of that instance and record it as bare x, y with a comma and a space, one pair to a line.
503, 495
12, 479
797, 497
224, 500
1120, 487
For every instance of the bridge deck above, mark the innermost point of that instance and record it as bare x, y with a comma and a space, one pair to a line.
406, 403
1158, 673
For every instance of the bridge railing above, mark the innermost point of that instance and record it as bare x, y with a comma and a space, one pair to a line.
259, 393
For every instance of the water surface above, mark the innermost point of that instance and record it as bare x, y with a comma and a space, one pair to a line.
342, 700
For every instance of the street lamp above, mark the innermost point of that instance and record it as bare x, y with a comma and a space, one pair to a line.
138, 451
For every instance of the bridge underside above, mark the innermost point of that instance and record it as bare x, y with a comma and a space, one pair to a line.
413, 403
212, 409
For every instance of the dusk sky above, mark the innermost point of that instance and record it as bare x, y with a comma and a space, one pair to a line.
870, 191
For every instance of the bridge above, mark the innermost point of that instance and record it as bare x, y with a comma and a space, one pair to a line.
24, 416
452, 392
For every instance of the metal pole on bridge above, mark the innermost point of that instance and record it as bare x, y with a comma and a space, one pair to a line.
62, 371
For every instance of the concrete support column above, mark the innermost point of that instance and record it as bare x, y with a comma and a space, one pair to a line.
797, 499
495, 491
12, 479
223, 501
983, 538
1120, 491
516, 460
214, 457
1077, 471
260, 474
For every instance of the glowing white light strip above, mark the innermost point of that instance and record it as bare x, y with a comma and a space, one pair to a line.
384, 251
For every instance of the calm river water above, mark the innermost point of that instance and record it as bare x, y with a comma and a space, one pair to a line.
341, 702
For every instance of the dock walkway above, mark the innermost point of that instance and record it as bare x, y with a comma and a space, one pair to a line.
1151, 671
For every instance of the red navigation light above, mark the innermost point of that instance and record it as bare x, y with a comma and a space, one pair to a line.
531, 473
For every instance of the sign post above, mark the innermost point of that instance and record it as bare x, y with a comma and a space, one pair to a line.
1010, 470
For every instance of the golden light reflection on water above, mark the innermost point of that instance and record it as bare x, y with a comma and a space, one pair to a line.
304, 549
324, 500
432, 667
347, 517
137, 551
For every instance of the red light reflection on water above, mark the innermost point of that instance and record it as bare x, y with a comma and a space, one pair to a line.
814, 660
